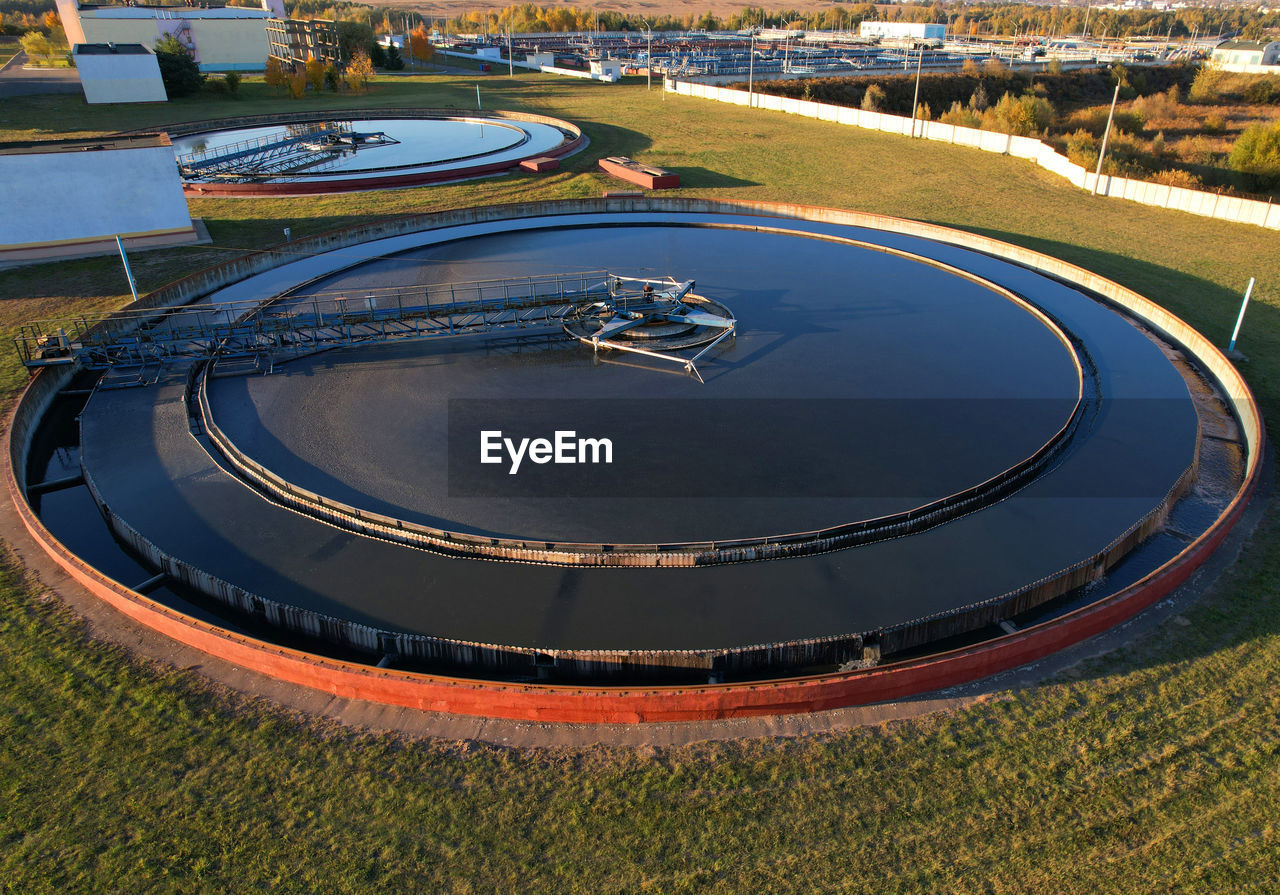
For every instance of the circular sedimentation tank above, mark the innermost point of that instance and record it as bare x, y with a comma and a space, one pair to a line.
318, 153
887, 457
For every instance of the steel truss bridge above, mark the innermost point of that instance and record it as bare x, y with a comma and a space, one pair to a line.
292, 325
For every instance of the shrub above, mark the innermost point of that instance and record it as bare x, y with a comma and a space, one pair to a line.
1178, 177
993, 66
1022, 116
297, 84
232, 80
1199, 150
1082, 149
1255, 157
1207, 86
961, 116
331, 78
1055, 67
1263, 90
873, 99
1214, 124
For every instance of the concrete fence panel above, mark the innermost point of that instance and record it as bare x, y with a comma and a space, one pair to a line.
1025, 147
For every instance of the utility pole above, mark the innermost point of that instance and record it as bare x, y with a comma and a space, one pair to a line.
751, 74
915, 100
1106, 135
511, 70
648, 55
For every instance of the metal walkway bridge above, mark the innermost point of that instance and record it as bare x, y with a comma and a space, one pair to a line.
292, 325
298, 146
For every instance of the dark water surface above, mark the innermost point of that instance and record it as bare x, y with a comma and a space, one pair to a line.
823, 326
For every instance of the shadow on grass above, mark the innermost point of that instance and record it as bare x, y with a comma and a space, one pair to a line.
1208, 306
605, 140
703, 178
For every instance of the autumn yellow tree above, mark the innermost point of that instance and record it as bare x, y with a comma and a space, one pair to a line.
359, 71
274, 76
420, 44
315, 73
37, 45
297, 84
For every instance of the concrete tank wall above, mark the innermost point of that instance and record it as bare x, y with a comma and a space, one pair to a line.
634, 704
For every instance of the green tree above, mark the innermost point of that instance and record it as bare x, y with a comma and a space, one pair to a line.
1255, 157
37, 46
178, 70
353, 36
1206, 86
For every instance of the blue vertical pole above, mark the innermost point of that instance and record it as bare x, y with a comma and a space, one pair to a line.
1235, 333
133, 286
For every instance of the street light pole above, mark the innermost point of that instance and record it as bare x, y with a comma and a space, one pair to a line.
1106, 135
648, 56
915, 100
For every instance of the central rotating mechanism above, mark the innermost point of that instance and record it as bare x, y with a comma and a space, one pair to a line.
665, 320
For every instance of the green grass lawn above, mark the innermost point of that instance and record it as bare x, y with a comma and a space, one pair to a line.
1156, 769
9, 47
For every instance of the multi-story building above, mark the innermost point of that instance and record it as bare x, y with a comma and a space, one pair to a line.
220, 38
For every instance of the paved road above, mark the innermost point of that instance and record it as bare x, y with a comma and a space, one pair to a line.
16, 81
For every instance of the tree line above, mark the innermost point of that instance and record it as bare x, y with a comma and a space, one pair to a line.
978, 20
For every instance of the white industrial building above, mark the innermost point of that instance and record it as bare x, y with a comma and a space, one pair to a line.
1247, 56
902, 31
119, 73
220, 38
